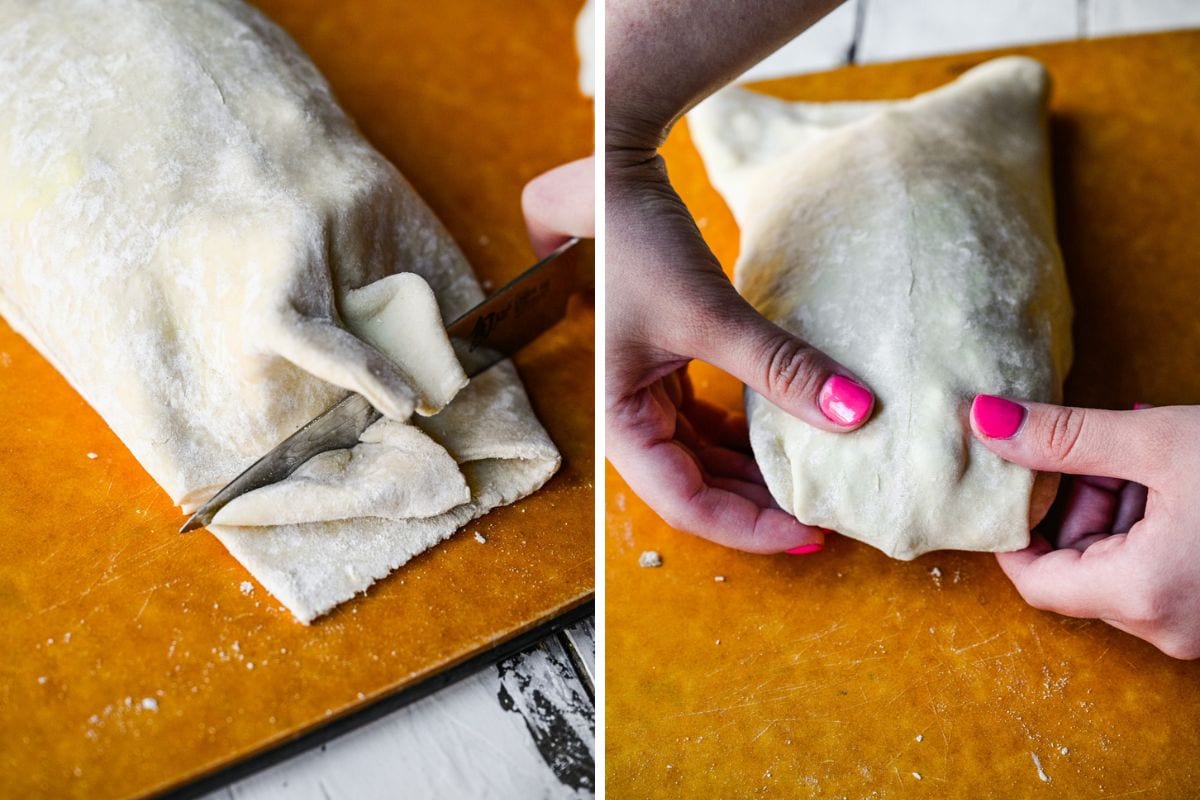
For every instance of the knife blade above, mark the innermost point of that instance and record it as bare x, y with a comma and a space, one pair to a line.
495, 329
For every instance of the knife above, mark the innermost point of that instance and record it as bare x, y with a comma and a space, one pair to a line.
514, 316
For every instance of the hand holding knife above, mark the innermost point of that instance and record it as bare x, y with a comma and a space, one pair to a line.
492, 331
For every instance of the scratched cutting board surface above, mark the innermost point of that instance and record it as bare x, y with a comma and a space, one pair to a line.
847, 674
134, 658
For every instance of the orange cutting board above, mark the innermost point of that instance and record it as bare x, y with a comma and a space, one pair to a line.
847, 674
132, 658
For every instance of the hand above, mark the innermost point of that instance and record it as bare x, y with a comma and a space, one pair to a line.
560, 204
669, 302
1127, 545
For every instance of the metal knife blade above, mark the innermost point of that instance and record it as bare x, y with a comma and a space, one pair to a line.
490, 332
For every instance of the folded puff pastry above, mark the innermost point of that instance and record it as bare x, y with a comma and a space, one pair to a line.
914, 242
202, 243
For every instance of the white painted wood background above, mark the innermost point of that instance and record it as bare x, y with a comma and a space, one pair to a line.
468, 741
868, 31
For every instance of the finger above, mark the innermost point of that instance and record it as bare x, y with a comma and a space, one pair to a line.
671, 482
686, 391
1113, 485
560, 204
725, 463
788, 372
1131, 501
1081, 441
726, 428
674, 386
1121, 626
1089, 509
715, 459
687, 434
1084, 542
1131, 507
670, 479
755, 493
1070, 582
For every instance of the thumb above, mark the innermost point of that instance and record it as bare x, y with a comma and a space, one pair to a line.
1078, 441
787, 371
560, 204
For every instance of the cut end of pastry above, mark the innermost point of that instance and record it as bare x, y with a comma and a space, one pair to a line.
398, 316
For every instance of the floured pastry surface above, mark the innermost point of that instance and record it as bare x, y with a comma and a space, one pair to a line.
201, 242
914, 242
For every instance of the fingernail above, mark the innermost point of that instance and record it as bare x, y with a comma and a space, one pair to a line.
805, 549
1139, 406
844, 401
996, 417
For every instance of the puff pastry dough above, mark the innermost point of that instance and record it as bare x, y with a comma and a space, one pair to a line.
199, 239
914, 242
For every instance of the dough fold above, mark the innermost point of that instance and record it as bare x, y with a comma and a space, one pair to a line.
198, 238
914, 242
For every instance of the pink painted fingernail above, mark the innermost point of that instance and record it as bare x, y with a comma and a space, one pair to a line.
844, 401
1140, 406
805, 549
996, 417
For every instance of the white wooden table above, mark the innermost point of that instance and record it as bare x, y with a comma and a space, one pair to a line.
525, 728
522, 728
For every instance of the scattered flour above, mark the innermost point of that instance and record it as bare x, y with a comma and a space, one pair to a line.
936, 573
41, 679
479, 537
1037, 762
247, 587
719, 579
150, 704
920, 737
650, 558
93, 456
917, 775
